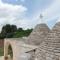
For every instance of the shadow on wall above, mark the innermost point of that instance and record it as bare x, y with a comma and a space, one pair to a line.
1, 42
10, 53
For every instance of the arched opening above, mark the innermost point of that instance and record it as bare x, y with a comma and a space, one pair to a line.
10, 52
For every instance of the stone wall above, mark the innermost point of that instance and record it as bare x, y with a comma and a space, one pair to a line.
1, 42
20, 49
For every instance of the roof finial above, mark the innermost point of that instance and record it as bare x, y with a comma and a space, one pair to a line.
41, 18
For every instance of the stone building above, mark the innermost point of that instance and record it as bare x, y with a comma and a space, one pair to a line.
42, 44
38, 34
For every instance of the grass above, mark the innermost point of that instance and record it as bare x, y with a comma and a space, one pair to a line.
1, 51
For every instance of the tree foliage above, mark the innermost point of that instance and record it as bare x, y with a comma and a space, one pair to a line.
11, 31
8, 31
22, 33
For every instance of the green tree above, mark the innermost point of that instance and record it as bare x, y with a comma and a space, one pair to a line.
11, 31
8, 31
22, 33
13, 28
20, 30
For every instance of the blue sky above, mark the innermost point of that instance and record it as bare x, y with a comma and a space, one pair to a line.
25, 13
31, 5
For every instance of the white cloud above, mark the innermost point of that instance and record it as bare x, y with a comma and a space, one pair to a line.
58, 20
9, 12
22, 0
53, 11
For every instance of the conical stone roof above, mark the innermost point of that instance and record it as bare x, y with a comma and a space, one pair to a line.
41, 28
50, 47
56, 28
38, 34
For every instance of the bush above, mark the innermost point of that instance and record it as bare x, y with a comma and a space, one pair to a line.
2, 51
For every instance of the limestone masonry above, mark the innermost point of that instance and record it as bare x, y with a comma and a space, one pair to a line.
42, 44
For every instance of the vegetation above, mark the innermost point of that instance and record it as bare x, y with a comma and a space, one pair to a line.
1, 51
22, 33
11, 31
10, 52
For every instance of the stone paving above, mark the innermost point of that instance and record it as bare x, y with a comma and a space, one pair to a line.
1, 57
